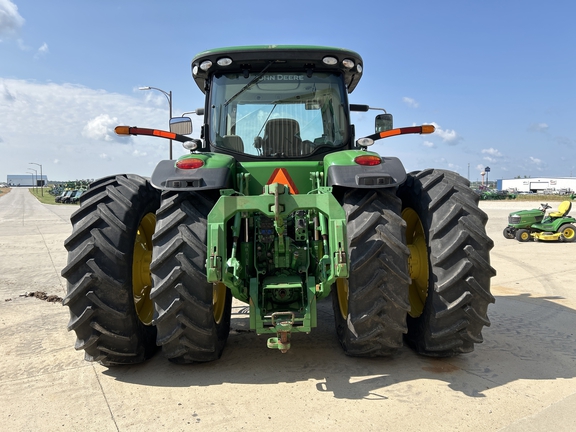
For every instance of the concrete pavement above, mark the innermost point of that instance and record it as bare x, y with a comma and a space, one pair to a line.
523, 377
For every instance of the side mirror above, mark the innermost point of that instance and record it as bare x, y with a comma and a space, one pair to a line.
384, 122
181, 125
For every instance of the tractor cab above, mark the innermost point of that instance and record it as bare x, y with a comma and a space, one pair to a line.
277, 101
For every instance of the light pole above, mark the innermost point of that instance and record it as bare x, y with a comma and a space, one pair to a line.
41, 177
169, 97
34, 178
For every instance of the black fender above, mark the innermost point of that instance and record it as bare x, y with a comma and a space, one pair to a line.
390, 173
167, 177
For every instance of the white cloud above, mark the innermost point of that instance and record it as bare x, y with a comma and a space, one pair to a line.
535, 161
102, 128
538, 127
22, 45
5, 93
42, 51
492, 152
428, 144
489, 159
410, 102
449, 136
67, 127
538, 164
10, 19
480, 167
138, 153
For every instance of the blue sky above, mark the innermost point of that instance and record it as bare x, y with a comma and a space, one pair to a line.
497, 78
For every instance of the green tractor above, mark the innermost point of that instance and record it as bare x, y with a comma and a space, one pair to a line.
279, 206
533, 224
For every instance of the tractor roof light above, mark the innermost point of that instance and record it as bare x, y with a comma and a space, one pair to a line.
205, 65
347, 63
368, 160
359, 68
365, 142
224, 61
330, 61
190, 145
189, 163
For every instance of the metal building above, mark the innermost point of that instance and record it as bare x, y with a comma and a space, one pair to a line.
551, 185
26, 180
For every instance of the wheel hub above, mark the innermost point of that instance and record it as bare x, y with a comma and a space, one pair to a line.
141, 279
218, 301
417, 262
342, 292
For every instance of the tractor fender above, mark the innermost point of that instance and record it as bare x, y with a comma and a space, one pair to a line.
389, 173
168, 177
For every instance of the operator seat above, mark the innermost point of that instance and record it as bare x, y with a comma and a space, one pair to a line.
563, 210
282, 136
233, 142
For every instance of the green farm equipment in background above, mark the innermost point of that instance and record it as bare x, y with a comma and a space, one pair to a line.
490, 194
279, 206
533, 224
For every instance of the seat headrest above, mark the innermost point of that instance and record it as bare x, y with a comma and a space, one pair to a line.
564, 207
283, 123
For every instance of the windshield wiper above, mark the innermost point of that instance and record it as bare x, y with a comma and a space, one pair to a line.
250, 84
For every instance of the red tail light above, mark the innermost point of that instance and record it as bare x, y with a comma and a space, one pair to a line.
190, 163
368, 160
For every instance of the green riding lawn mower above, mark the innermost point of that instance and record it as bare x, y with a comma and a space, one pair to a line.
533, 224
279, 206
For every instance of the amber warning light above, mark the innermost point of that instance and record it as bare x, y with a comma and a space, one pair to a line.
369, 140
128, 130
424, 129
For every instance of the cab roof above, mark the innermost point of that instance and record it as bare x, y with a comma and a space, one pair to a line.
293, 58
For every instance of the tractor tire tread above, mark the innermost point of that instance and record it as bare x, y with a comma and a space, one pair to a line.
99, 268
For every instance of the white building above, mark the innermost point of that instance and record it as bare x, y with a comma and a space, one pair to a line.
26, 179
539, 184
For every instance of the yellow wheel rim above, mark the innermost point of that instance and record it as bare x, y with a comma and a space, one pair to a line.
141, 279
342, 292
418, 261
568, 233
525, 235
218, 301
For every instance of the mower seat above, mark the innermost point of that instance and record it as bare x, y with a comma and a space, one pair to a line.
563, 210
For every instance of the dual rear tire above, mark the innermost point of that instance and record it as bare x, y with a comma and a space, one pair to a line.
419, 267
126, 239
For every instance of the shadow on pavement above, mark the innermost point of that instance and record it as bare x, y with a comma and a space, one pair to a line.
531, 338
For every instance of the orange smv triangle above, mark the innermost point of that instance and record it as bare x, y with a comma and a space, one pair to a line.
280, 175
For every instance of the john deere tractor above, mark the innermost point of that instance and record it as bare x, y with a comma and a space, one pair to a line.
279, 206
525, 225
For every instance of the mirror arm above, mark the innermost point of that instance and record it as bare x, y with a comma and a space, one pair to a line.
127, 130
424, 129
